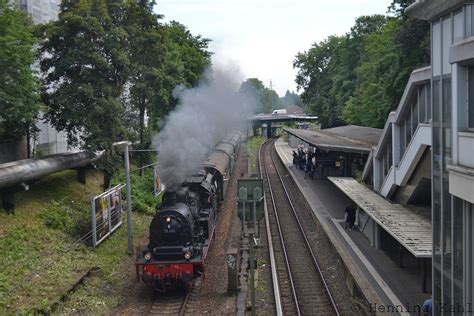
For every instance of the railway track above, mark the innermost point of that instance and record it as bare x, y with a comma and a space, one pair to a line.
303, 289
177, 303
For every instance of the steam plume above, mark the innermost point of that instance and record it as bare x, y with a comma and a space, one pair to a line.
203, 116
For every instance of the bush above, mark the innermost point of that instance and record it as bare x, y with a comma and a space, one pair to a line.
143, 200
67, 217
253, 145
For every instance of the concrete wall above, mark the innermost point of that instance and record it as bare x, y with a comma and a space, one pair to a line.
416, 183
11, 151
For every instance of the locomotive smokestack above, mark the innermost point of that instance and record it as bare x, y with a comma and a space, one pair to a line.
169, 198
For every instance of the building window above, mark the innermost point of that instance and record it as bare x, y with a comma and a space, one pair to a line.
458, 25
458, 252
470, 89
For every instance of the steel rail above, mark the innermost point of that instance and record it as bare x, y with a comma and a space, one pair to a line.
276, 285
313, 257
282, 239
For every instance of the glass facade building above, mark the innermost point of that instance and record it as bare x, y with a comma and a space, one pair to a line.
41, 11
48, 140
452, 91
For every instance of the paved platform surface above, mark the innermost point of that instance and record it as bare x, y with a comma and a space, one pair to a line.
382, 281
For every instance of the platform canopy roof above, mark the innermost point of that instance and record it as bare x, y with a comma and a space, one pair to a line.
410, 229
350, 138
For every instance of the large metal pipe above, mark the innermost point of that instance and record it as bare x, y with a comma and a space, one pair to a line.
23, 171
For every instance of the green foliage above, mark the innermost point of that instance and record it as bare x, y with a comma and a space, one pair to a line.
290, 98
315, 78
398, 7
378, 88
39, 264
110, 64
56, 217
86, 61
359, 78
19, 89
68, 216
253, 146
185, 56
266, 99
143, 200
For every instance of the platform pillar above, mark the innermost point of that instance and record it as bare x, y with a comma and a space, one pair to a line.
423, 274
269, 130
81, 175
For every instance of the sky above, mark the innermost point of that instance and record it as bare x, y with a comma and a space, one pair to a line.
262, 37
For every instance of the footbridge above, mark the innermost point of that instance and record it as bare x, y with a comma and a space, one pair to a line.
266, 120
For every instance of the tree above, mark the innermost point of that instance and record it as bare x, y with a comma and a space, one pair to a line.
19, 89
314, 77
378, 80
253, 88
391, 54
186, 56
147, 56
161, 58
86, 64
359, 78
397, 7
290, 98
266, 99
327, 72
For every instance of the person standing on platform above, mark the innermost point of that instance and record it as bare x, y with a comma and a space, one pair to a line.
350, 214
428, 306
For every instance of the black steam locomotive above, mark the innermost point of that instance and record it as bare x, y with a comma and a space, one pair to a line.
184, 224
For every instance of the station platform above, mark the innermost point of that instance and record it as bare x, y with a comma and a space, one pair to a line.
385, 285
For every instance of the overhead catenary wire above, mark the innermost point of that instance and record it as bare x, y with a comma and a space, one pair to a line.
144, 167
143, 150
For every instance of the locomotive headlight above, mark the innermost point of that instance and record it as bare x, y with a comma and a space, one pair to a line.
148, 256
188, 255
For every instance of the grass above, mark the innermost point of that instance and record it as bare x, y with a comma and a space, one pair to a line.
253, 145
41, 259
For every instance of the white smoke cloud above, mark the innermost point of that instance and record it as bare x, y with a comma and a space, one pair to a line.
202, 117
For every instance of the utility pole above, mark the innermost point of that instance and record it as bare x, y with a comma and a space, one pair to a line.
271, 94
129, 202
125, 144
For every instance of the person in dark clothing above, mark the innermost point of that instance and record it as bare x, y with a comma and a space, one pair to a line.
309, 167
300, 157
302, 162
350, 214
295, 158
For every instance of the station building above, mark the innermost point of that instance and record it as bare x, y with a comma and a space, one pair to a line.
426, 151
41, 11
452, 150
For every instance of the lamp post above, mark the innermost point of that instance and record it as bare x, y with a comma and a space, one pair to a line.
129, 195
